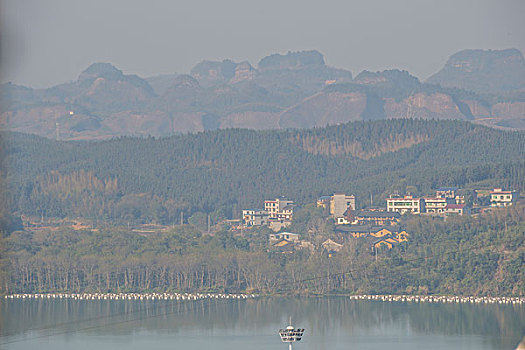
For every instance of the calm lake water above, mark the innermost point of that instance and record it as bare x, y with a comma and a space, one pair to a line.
330, 323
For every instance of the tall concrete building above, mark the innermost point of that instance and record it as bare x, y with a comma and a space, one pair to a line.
277, 205
339, 203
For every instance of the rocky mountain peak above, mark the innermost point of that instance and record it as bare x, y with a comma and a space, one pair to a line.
485, 71
101, 70
390, 77
243, 71
185, 81
484, 60
211, 71
292, 60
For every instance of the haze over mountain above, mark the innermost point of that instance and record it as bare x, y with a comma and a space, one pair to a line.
492, 71
294, 90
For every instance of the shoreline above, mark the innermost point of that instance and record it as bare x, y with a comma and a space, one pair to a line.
450, 299
129, 296
240, 296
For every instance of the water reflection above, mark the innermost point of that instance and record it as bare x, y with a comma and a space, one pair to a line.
328, 321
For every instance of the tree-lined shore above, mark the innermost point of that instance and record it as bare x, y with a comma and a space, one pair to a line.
463, 256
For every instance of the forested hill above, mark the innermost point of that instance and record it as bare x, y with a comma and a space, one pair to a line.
223, 171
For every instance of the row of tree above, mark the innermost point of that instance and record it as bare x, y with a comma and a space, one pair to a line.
480, 256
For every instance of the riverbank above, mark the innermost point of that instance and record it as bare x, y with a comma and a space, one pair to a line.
200, 296
441, 299
129, 296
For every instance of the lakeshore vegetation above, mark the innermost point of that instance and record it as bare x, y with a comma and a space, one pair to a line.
463, 256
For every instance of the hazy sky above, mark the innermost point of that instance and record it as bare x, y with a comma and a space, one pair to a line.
46, 42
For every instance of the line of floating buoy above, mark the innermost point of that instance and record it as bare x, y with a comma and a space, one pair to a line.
441, 299
129, 296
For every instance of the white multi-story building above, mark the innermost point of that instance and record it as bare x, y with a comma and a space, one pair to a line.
255, 217
277, 205
456, 209
437, 205
406, 204
277, 214
500, 198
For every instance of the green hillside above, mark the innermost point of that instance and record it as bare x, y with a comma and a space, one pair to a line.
221, 172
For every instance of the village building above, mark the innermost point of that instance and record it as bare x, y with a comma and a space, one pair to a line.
280, 211
447, 192
286, 213
276, 206
355, 231
277, 224
406, 204
383, 232
332, 247
289, 236
402, 236
343, 220
386, 242
255, 217
374, 218
456, 209
460, 199
323, 202
389, 241
451, 193
339, 203
364, 231
283, 246
437, 205
277, 214
288, 242
500, 198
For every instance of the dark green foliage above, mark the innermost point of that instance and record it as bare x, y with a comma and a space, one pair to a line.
227, 170
10, 223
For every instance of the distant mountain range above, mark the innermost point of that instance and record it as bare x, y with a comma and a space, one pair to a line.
295, 90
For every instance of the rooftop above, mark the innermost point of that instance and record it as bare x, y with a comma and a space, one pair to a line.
447, 189
287, 233
455, 206
500, 191
434, 199
377, 214
397, 197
